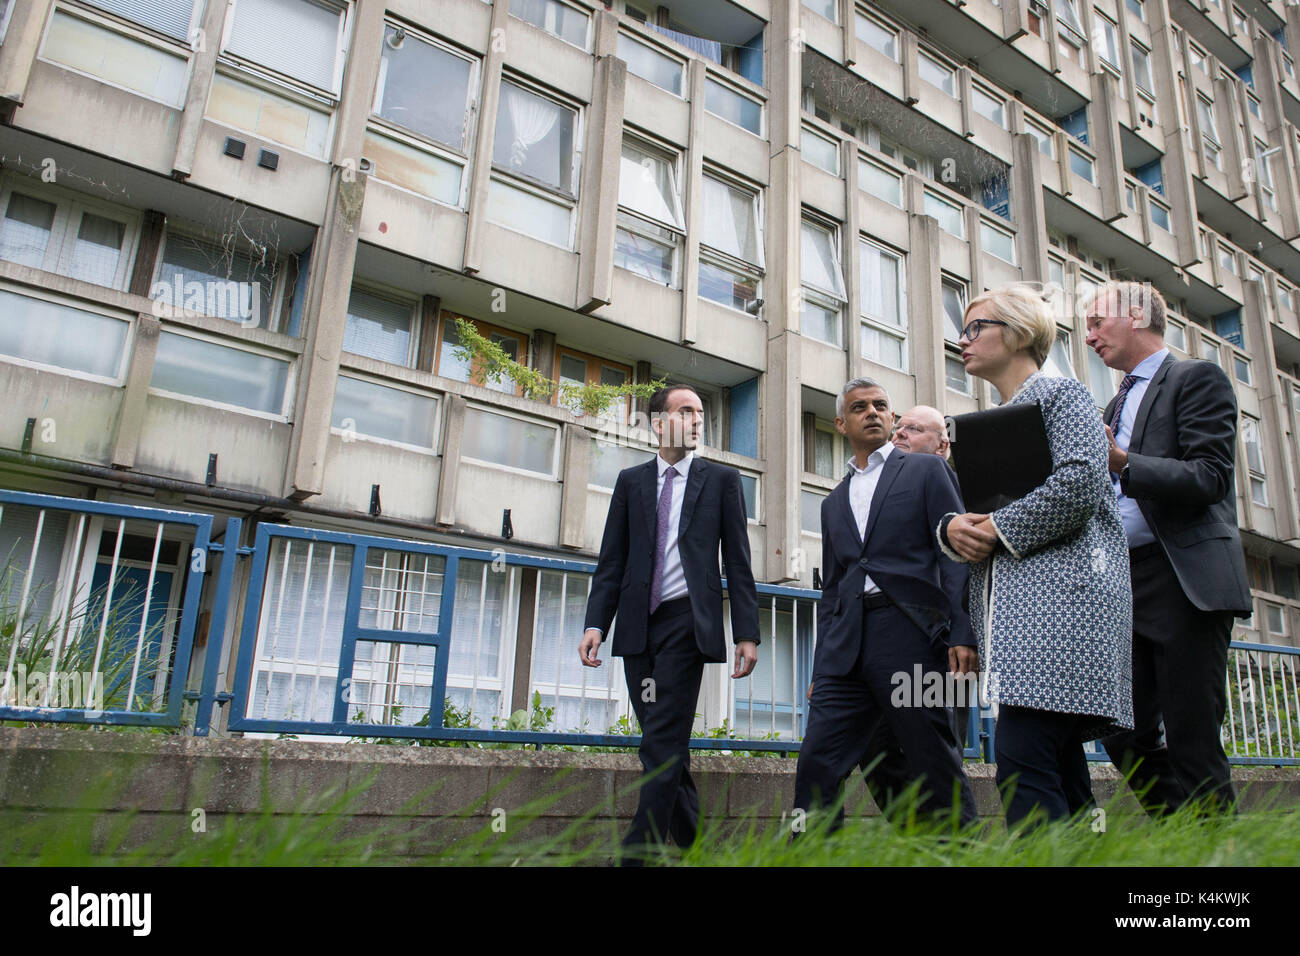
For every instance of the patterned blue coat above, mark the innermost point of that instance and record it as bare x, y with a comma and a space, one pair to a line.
1053, 604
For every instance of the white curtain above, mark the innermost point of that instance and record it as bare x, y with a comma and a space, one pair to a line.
531, 119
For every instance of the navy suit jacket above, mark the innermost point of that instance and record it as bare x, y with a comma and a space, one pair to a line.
713, 515
1180, 472
900, 552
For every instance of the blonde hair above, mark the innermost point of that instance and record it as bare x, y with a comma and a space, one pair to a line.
1143, 296
1029, 323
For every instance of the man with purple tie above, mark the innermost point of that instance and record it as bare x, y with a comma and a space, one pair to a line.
658, 570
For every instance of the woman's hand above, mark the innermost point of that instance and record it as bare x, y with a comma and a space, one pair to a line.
972, 536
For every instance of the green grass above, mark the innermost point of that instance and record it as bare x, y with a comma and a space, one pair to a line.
324, 832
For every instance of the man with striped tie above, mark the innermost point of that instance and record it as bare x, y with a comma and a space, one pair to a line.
1172, 429
658, 570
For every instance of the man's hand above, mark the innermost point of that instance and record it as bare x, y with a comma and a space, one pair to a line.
1116, 457
963, 659
589, 646
972, 536
746, 658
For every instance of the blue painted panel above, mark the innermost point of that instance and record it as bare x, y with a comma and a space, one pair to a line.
744, 418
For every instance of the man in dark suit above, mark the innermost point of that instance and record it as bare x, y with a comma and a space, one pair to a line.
1173, 432
658, 570
890, 601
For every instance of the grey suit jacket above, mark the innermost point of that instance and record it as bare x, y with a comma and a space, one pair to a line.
1180, 472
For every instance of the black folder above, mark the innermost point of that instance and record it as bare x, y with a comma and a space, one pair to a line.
1000, 455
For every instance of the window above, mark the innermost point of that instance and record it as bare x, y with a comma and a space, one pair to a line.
579, 368
1130, 196
1209, 130
1254, 460
989, 105
1241, 368
1056, 271
417, 140
1141, 59
953, 294
651, 65
556, 18
1106, 35
193, 367
731, 251
304, 40
535, 144
998, 241
1101, 380
46, 332
1082, 166
1042, 135
881, 182
810, 510
514, 344
951, 219
1275, 623
608, 459
169, 17
823, 283
1159, 214
884, 308
381, 327
733, 106
828, 451
227, 282
385, 412
54, 231
1136, 8
877, 35
1210, 350
823, 8
1198, 55
1284, 296
1227, 259
1176, 336
1058, 361
936, 73
821, 151
1070, 31
1239, 24
151, 69
1262, 159
650, 222
510, 441
1252, 104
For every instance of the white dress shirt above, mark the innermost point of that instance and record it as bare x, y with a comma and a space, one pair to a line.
862, 487
1135, 526
674, 585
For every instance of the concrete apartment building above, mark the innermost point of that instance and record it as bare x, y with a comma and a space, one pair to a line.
236, 235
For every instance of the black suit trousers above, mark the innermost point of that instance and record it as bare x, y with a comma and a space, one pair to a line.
1180, 656
664, 685
845, 711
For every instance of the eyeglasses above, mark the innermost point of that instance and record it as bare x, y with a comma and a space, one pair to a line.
972, 330
912, 428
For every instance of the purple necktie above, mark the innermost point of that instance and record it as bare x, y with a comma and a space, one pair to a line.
662, 517
1125, 384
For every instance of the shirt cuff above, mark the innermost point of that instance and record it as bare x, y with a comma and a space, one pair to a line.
941, 535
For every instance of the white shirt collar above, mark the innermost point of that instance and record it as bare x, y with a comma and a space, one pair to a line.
682, 467
1147, 367
883, 452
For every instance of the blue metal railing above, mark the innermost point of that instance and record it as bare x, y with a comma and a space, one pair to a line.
358, 635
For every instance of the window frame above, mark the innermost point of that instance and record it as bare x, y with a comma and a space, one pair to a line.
447, 319
723, 260
951, 350
1255, 476
333, 95
884, 26
433, 450
828, 299
519, 416
196, 235
939, 63
641, 224
238, 345
70, 207
877, 323
375, 123
585, 46
590, 359
84, 305
397, 297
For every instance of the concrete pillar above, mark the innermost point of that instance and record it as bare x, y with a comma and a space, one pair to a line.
925, 301
544, 353
1256, 315
1027, 206
974, 249
365, 52
325, 317
573, 491
1180, 193
524, 640
130, 415
964, 100
911, 70
146, 256
484, 140
18, 52
429, 306
780, 401
1228, 113
203, 67
848, 11
598, 199
1015, 19
449, 472
851, 257
1105, 142
693, 204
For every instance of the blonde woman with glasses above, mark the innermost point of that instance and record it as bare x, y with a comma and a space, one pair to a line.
1049, 583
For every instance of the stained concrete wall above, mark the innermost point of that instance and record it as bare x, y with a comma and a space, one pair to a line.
431, 796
